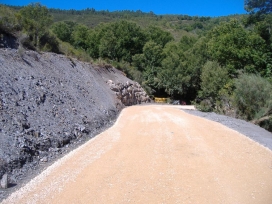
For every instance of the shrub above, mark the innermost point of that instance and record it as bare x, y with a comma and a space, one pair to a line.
213, 79
49, 43
205, 106
267, 124
214, 91
8, 21
252, 96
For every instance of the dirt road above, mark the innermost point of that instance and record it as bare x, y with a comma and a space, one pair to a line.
157, 154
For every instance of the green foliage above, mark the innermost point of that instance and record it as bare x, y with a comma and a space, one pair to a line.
130, 71
8, 20
213, 79
262, 27
187, 42
262, 6
267, 124
158, 35
93, 41
237, 49
177, 56
149, 63
35, 20
79, 37
195, 57
205, 106
153, 55
63, 31
71, 51
49, 43
116, 41
174, 76
108, 47
216, 88
252, 96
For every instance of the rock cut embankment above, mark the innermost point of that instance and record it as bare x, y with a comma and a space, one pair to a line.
48, 101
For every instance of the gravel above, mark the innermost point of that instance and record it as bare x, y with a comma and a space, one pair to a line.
248, 129
49, 104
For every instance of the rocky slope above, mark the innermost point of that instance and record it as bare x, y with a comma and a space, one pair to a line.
49, 101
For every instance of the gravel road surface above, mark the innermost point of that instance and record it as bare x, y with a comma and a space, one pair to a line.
156, 154
248, 129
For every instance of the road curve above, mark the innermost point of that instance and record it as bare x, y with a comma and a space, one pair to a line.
157, 154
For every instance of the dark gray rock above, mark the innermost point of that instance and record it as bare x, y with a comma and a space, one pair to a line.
8, 41
44, 159
48, 104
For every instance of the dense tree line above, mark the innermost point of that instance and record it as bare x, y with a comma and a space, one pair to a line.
226, 67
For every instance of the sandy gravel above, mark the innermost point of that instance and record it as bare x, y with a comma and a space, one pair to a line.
157, 154
248, 129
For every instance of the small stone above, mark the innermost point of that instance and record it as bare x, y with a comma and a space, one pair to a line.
44, 159
4, 181
81, 128
36, 134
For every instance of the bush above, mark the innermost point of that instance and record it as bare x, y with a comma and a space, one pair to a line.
8, 21
49, 43
252, 96
213, 79
267, 124
215, 85
205, 106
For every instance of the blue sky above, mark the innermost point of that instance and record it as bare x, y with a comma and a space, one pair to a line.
189, 7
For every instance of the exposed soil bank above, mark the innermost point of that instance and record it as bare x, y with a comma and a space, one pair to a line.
49, 102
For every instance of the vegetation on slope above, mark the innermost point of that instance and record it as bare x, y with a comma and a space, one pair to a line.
217, 63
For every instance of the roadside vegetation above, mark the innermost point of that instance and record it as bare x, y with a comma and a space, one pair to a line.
220, 64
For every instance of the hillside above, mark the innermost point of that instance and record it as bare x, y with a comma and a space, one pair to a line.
197, 60
49, 102
65, 75
177, 25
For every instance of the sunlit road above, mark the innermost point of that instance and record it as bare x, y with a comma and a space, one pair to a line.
158, 154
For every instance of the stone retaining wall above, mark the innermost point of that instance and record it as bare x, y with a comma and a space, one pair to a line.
129, 93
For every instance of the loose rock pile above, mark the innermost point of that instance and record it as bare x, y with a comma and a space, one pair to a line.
49, 102
129, 93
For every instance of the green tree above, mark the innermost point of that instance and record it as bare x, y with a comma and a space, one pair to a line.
264, 28
262, 6
174, 75
195, 58
36, 20
151, 58
109, 47
187, 42
8, 20
118, 41
156, 34
93, 41
237, 49
150, 62
63, 31
213, 79
80, 36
